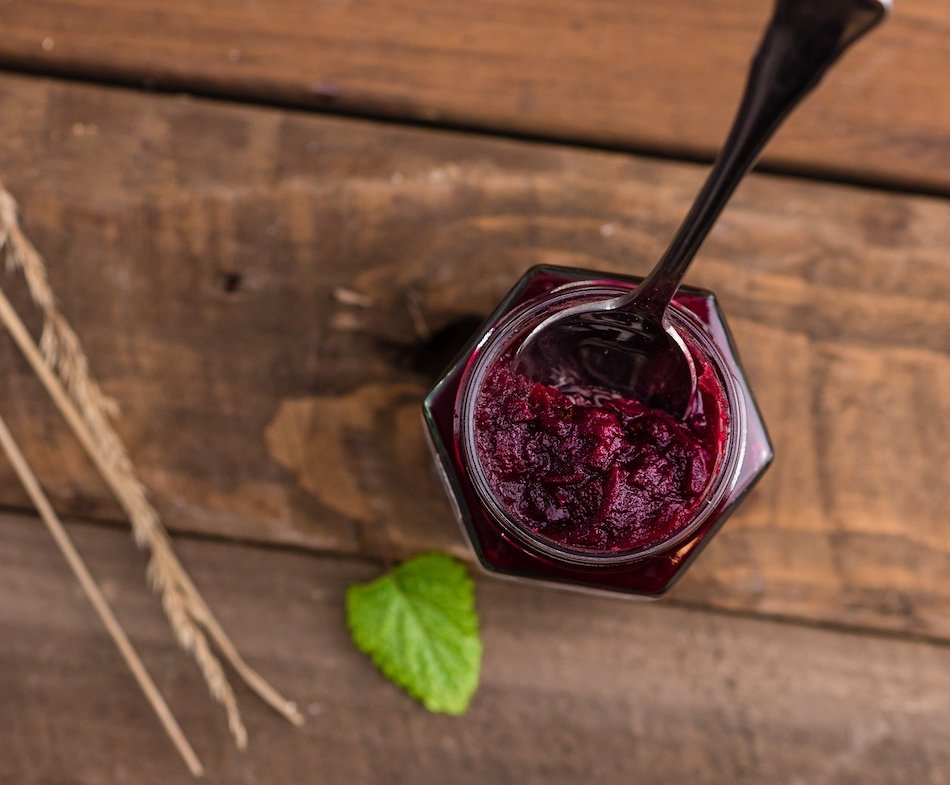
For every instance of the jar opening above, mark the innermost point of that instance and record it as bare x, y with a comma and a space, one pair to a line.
649, 495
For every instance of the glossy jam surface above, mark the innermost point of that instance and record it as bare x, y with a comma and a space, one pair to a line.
597, 475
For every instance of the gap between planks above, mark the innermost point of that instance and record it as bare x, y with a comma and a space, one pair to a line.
77, 74
861, 631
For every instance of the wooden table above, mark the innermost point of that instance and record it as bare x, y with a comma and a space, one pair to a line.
221, 188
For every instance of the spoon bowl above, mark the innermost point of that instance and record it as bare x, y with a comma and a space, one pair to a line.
601, 351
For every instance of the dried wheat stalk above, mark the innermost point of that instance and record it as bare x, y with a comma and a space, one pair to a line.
62, 366
32, 486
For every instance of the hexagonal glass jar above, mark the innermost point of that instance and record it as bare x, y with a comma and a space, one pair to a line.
505, 547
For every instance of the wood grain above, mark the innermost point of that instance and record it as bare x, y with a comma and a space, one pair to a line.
268, 294
649, 74
573, 688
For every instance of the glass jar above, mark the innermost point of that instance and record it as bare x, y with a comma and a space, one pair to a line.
502, 543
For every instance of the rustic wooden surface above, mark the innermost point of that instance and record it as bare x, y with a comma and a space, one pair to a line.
269, 292
205, 253
573, 689
648, 74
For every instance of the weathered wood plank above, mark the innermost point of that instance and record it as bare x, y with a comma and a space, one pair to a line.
573, 689
651, 73
205, 252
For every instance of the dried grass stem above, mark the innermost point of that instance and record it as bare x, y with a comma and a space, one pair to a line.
62, 367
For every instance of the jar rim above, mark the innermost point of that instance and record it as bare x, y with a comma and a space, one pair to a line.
512, 327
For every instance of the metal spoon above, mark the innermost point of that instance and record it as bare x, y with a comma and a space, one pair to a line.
625, 345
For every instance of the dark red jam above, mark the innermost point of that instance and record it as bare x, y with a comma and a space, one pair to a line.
594, 474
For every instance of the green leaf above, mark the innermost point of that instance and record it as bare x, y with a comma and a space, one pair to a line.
418, 624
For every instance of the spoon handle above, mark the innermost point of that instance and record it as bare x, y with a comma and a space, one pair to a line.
803, 39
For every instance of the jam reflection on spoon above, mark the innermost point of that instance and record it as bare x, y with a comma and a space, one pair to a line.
626, 344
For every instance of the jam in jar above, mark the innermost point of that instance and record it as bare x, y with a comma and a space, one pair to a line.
571, 485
